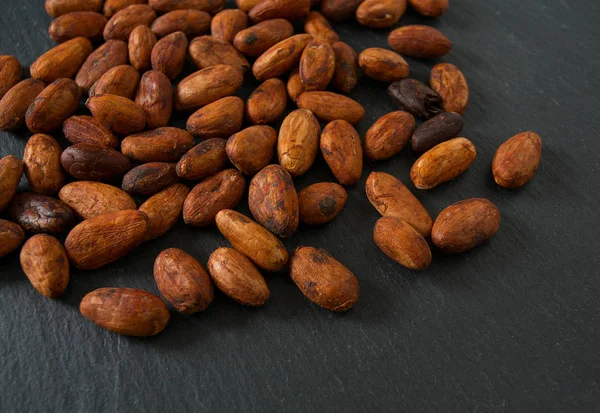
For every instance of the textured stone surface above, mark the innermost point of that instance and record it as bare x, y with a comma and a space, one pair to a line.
510, 326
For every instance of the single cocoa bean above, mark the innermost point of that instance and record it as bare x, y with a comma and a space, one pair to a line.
251, 149
126, 311
149, 178
45, 263
204, 159
155, 97
465, 225
342, 150
237, 277
436, 130
39, 213
323, 279
183, 281
166, 144
164, 209
320, 203
273, 200
87, 162
389, 135
416, 98
223, 190
41, 164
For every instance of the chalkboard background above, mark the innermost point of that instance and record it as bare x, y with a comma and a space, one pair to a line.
510, 326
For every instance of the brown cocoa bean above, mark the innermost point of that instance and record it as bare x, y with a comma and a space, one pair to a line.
280, 58
223, 190
388, 135
45, 263
39, 213
11, 237
391, 198
267, 103
227, 23
279, 9
402, 243
342, 150
423, 42
183, 281
140, 45
53, 106
320, 203
219, 119
204, 159
11, 171
259, 38
317, 65
339, 10
251, 149
380, 14
383, 65
87, 162
450, 84
329, 106
517, 159
126, 311
121, 80
155, 98
273, 200
104, 239
430, 8
207, 86
86, 24
345, 76
294, 85
319, 28
164, 6
164, 209
56, 8
41, 164
87, 129
149, 178
323, 279
442, 163
119, 114
191, 22
110, 54
14, 104
166, 144
465, 225
254, 241
62, 61
168, 54
207, 51
10, 73
112, 7
120, 26
90, 199
298, 142
236, 277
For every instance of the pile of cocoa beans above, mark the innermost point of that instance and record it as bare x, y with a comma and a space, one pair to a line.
125, 59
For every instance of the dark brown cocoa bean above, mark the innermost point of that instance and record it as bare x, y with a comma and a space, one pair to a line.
87, 162
416, 98
436, 130
39, 213
203, 160
149, 178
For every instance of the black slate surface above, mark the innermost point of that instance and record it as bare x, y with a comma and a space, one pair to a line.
511, 326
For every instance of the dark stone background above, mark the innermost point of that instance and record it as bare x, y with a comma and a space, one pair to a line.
511, 326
